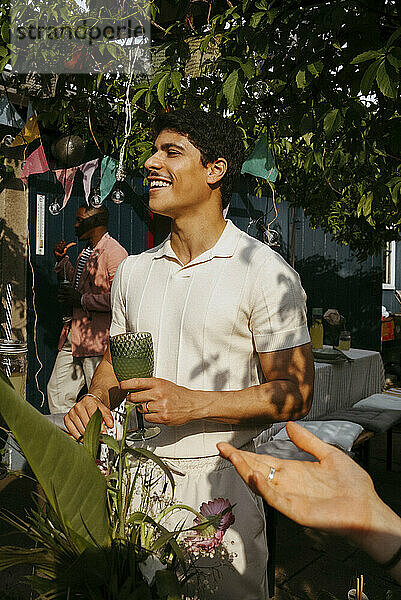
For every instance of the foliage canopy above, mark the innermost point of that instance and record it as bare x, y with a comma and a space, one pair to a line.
322, 77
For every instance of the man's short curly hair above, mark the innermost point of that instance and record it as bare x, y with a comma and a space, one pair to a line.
213, 135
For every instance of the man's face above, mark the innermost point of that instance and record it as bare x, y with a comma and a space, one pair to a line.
82, 231
177, 179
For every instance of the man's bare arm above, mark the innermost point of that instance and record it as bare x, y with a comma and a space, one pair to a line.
287, 394
106, 396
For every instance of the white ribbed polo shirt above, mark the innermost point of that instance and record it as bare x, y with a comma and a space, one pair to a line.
209, 319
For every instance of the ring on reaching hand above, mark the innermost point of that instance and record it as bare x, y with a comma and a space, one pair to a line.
271, 473
147, 407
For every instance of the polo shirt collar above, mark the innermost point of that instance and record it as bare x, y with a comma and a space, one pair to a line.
223, 248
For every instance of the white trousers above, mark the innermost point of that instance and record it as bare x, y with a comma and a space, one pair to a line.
240, 572
68, 377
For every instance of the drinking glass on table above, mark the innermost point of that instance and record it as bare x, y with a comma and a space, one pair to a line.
132, 356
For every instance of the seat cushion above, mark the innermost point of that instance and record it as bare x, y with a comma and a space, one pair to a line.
377, 421
284, 449
340, 433
380, 402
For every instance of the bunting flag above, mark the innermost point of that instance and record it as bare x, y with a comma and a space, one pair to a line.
66, 178
35, 163
29, 133
8, 114
87, 170
108, 170
261, 161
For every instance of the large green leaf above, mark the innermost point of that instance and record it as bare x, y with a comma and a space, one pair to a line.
73, 484
233, 89
332, 121
386, 83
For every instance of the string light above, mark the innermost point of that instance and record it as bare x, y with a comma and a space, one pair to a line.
118, 196
55, 208
7, 140
95, 199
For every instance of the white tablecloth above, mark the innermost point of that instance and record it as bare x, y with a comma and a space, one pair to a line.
341, 385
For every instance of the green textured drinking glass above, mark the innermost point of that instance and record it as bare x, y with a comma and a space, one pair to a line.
132, 356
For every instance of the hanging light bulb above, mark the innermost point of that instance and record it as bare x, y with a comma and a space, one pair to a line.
55, 208
117, 196
257, 90
95, 200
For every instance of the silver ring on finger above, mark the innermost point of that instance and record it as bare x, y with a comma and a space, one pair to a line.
147, 407
271, 473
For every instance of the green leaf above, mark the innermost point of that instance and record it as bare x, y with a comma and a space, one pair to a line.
318, 159
369, 77
248, 68
110, 442
233, 89
256, 19
92, 433
365, 205
387, 85
315, 68
176, 80
168, 536
111, 47
68, 476
394, 36
332, 121
301, 79
394, 57
138, 95
162, 88
143, 453
369, 55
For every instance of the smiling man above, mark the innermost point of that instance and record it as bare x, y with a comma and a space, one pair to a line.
227, 316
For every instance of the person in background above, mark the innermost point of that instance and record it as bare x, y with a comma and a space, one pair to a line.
334, 494
84, 337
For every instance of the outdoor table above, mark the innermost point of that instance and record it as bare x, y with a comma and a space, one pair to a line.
340, 385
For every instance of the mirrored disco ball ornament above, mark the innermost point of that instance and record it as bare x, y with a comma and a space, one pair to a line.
257, 90
95, 200
69, 150
7, 140
54, 208
117, 196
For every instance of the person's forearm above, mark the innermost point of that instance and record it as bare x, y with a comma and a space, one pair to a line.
383, 538
270, 402
105, 386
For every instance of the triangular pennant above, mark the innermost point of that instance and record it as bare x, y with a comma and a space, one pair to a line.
108, 170
87, 170
261, 162
66, 178
8, 114
35, 163
29, 133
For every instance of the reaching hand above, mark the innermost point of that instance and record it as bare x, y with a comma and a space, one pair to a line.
60, 248
78, 417
332, 494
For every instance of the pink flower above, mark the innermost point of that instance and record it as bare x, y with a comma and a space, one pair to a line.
206, 539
